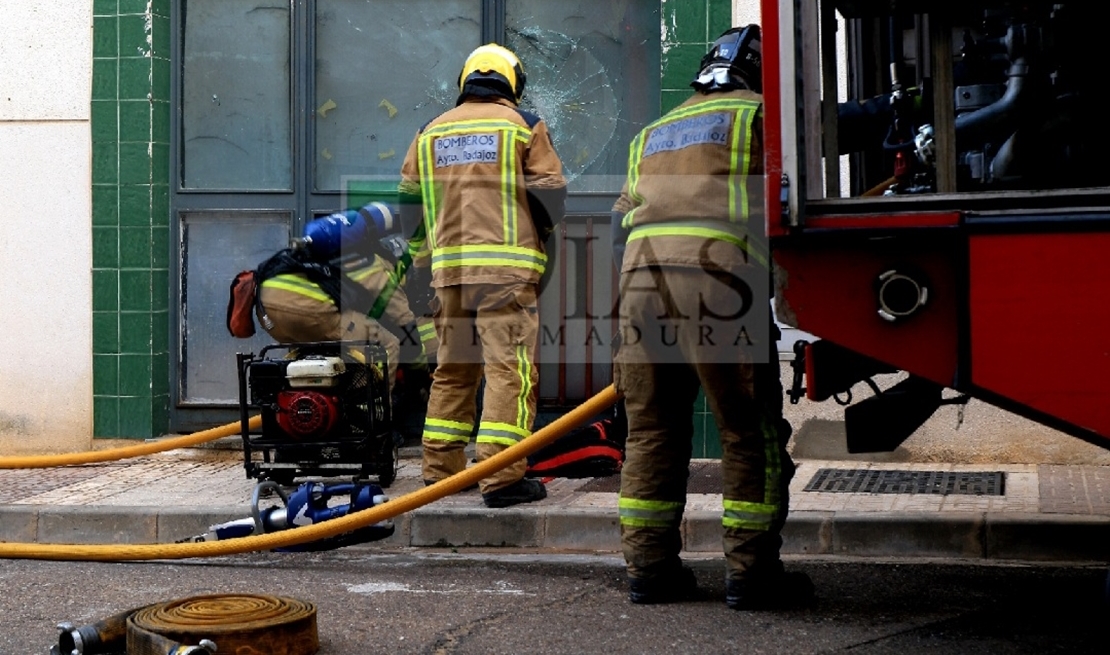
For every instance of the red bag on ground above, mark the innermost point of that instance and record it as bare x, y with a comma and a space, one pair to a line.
593, 451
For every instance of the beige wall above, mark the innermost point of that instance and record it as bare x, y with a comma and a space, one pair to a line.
745, 11
45, 226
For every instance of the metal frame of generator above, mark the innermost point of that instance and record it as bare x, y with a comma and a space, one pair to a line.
325, 409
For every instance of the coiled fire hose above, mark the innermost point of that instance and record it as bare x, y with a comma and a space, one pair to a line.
225, 623
296, 536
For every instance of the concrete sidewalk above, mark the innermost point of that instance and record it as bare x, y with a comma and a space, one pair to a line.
838, 508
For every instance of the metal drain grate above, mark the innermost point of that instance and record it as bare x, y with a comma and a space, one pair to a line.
972, 483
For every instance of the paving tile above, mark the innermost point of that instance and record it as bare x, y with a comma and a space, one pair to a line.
1074, 489
17, 485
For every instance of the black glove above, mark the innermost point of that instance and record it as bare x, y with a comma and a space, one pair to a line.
547, 207
418, 288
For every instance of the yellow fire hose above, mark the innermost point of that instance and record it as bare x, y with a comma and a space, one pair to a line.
138, 450
296, 536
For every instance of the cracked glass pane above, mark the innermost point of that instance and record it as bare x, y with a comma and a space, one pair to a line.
383, 69
593, 76
236, 106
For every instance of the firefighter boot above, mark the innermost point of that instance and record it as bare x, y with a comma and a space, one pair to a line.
525, 490
785, 590
675, 585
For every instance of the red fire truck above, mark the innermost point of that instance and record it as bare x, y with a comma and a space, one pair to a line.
938, 203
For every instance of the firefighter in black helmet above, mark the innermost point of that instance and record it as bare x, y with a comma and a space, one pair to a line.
695, 313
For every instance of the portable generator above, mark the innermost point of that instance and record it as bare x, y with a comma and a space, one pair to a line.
325, 409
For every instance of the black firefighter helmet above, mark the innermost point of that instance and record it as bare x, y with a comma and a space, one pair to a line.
734, 62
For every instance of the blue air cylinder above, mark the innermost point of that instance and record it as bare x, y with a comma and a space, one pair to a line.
348, 231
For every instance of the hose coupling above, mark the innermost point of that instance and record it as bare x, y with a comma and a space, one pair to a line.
205, 647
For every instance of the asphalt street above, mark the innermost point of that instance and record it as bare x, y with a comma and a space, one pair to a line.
383, 600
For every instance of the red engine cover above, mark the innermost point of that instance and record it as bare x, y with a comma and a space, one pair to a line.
307, 414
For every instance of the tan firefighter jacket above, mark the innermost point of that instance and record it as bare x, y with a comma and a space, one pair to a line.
373, 273
490, 183
693, 195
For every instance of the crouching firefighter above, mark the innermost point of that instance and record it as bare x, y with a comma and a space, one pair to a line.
333, 285
695, 312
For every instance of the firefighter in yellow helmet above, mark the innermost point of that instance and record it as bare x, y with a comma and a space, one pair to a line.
484, 187
695, 313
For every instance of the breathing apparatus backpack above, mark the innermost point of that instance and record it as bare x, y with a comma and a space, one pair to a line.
315, 255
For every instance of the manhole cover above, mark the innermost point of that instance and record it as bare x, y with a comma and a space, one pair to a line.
972, 483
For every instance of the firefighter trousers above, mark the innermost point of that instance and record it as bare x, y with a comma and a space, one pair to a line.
660, 390
490, 330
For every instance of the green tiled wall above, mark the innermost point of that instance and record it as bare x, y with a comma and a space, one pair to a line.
693, 26
130, 226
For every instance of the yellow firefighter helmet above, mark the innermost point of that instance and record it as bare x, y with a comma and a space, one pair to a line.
492, 65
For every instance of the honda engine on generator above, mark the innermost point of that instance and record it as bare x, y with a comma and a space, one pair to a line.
325, 411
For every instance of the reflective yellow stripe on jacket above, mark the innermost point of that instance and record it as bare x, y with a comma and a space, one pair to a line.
386, 289
705, 230
379, 266
297, 283
427, 332
744, 112
507, 253
482, 255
